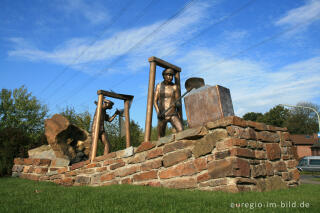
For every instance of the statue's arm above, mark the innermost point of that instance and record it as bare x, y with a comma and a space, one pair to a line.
156, 98
110, 119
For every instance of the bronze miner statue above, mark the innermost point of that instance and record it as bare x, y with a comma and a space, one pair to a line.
106, 104
166, 101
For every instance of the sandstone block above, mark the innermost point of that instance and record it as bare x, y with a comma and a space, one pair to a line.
79, 165
179, 170
126, 181
273, 151
18, 161
42, 152
107, 177
145, 146
206, 144
154, 164
215, 182
176, 157
258, 170
229, 167
173, 146
257, 125
271, 183
227, 121
280, 166
180, 183
82, 180
268, 136
138, 158
291, 163
260, 154
165, 140
155, 153
68, 181
203, 177
104, 157
200, 164
243, 152
222, 155
60, 162
192, 133
117, 165
128, 170
146, 176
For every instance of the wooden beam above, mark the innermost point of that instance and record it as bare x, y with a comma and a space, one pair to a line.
164, 64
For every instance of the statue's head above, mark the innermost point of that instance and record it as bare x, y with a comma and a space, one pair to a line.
168, 75
107, 104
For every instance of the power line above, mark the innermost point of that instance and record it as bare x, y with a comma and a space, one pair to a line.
140, 42
238, 10
113, 21
136, 19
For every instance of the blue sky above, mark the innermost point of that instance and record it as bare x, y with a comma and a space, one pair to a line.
63, 51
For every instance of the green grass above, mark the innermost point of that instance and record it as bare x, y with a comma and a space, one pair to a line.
316, 179
18, 195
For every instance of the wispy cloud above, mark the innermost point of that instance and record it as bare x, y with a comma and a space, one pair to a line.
254, 85
158, 43
93, 12
304, 15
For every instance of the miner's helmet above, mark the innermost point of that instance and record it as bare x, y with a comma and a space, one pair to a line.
108, 102
168, 71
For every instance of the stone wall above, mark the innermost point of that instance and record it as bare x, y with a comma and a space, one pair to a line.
230, 154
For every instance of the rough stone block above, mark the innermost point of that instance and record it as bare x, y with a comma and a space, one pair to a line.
18, 161
229, 167
192, 133
215, 182
200, 164
83, 180
227, 121
176, 157
146, 176
209, 103
257, 125
179, 170
280, 166
60, 162
173, 146
222, 155
180, 183
154, 153
154, 164
273, 151
145, 146
117, 165
104, 157
258, 170
268, 136
260, 154
242, 152
165, 140
203, 177
107, 177
128, 170
271, 183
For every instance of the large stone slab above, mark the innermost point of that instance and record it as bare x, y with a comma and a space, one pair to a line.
208, 103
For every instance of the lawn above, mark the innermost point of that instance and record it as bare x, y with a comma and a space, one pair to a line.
18, 195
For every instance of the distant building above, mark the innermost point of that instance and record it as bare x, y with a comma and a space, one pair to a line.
305, 145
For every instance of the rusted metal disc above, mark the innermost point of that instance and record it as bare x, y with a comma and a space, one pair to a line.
194, 83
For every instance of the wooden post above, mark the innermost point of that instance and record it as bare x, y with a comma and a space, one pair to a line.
126, 114
96, 132
148, 124
177, 82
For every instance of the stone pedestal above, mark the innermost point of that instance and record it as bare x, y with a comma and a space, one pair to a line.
208, 103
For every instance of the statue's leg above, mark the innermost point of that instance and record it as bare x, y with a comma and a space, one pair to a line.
105, 140
176, 123
162, 124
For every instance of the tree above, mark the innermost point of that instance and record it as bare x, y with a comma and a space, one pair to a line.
253, 116
302, 120
81, 120
19, 109
21, 125
277, 116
